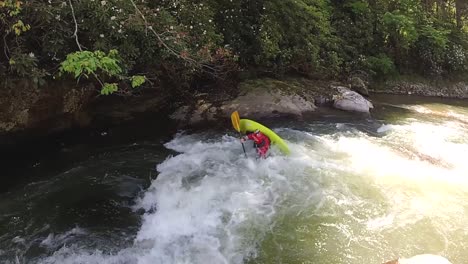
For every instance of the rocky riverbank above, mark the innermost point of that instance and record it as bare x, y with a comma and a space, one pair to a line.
296, 96
26, 108
267, 97
29, 111
423, 87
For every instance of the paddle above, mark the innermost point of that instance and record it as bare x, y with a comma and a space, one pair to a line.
236, 124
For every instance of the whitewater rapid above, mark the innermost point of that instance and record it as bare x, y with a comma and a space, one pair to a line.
208, 205
341, 197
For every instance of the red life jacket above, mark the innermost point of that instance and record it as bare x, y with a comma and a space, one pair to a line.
260, 139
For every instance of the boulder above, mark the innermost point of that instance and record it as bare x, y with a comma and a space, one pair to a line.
421, 259
358, 85
26, 106
256, 103
262, 103
322, 100
351, 101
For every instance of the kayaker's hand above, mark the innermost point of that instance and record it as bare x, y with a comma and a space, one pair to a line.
242, 140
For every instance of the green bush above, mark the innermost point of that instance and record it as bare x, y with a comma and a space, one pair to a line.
381, 65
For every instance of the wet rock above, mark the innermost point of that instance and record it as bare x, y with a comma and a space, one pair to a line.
74, 100
255, 103
25, 106
358, 85
181, 114
201, 111
323, 101
421, 259
265, 103
351, 101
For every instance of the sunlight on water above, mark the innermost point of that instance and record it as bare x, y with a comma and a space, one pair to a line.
401, 194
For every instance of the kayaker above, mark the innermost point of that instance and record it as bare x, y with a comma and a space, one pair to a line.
261, 142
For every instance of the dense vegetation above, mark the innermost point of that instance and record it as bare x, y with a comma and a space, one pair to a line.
120, 44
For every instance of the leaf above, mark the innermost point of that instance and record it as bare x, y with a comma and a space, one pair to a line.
137, 80
109, 88
88, 62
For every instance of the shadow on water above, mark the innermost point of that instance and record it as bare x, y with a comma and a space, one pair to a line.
77, 187
28, 160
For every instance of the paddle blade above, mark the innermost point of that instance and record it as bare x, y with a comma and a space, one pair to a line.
235, 120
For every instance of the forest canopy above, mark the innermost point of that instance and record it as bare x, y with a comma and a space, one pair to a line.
125, 42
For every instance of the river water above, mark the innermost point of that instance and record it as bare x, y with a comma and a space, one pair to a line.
356, 189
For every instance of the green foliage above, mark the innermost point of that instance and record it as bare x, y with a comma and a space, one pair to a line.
19, 27
358, 7
11, 7
456, 59
437, 38
109, 88
432, 48
293, 35
178, 42
137, 80
87, 62
401, 28
380, 65
25, 65
9, 10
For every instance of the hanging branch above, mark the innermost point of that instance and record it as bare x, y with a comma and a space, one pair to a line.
75, 34
158, 36
213, 71
6, 50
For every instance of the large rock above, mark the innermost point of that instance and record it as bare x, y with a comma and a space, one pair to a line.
29, 110
26, 106
351, 101
358, 85
256, 103
265, 103
202, 111
421, 259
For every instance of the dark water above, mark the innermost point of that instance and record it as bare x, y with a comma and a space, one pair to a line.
91, 197
77, 187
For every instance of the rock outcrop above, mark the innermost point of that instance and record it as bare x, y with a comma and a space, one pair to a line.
24, 105
259, 102
358, 85
267, 97
28, 110
265, 103
351, 101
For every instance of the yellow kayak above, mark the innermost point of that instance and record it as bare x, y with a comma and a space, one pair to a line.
247, 125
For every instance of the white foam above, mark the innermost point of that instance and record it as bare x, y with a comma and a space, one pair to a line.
53, 240
424, 259
384, 128
208, 205
211, 205
380, 222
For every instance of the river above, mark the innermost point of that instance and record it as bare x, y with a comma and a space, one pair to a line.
356, 189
